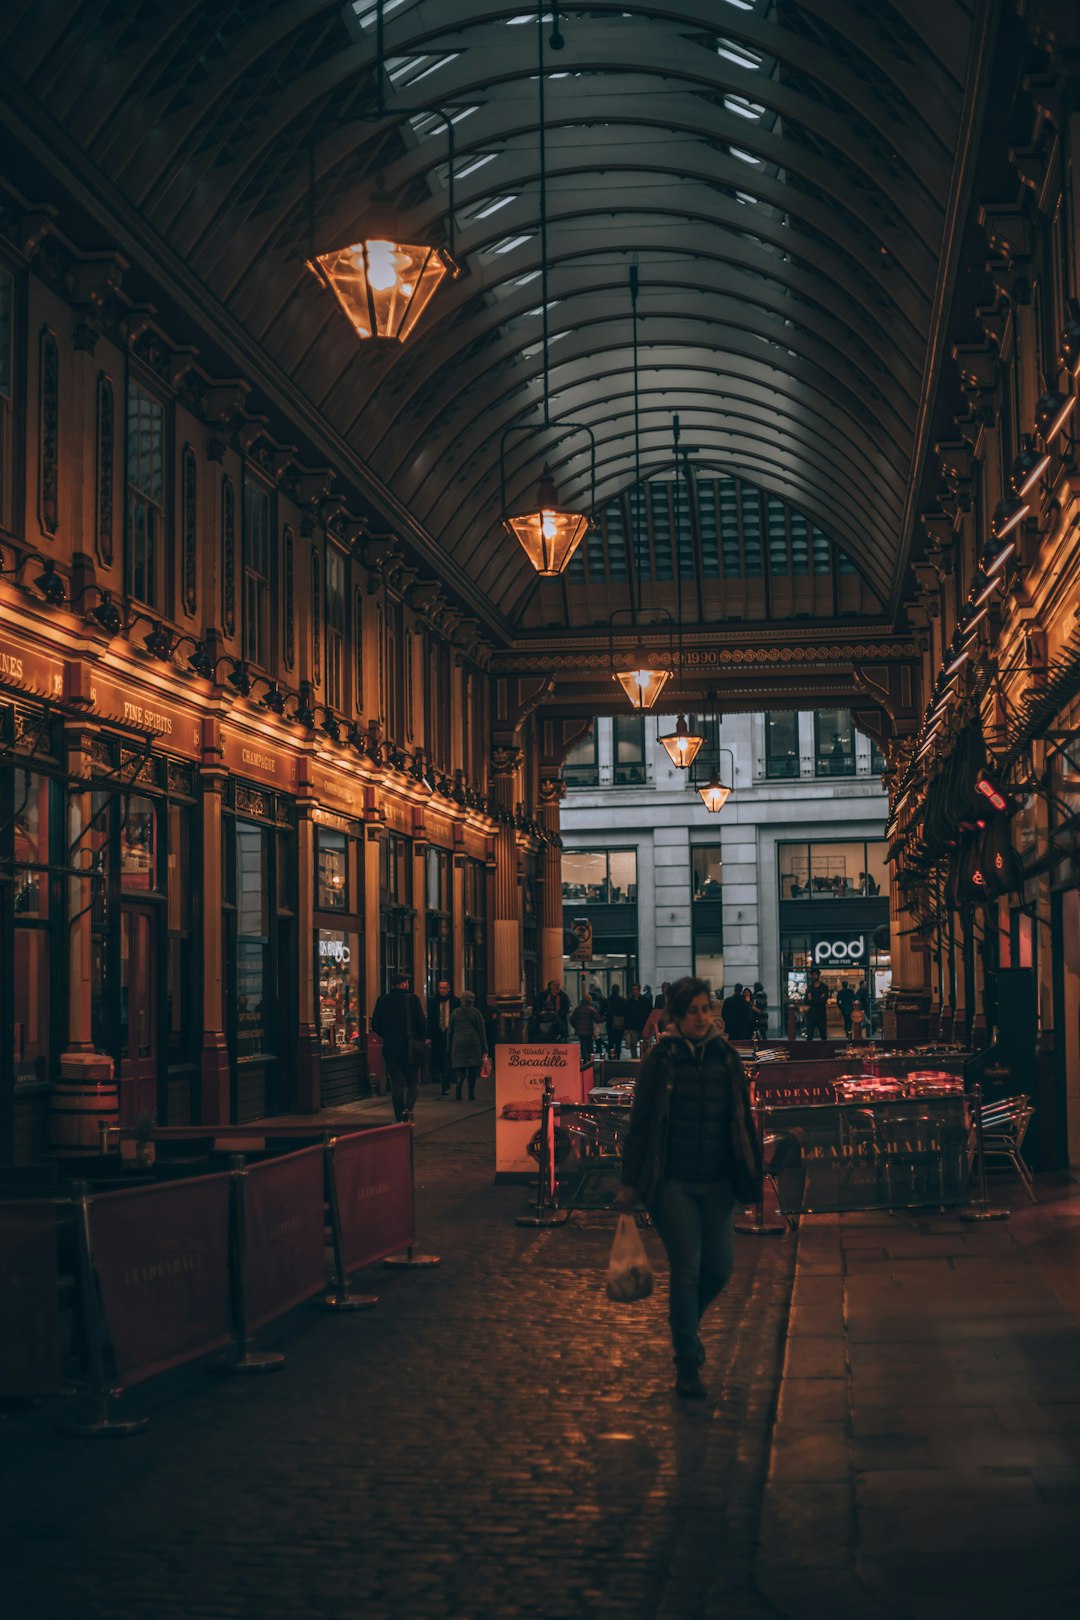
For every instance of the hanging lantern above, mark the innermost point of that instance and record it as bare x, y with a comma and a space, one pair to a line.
383, 287
642, 684
682, 745
714, 795
549, 534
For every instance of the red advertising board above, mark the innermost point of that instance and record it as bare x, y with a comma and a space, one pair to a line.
284, 1226
373, 1172
30, 1330
162, 1260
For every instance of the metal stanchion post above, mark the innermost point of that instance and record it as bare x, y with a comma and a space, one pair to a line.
759, 1226
339, 1298
246, 1360
412, 1260
546, 1212
104, 1424
982, 1210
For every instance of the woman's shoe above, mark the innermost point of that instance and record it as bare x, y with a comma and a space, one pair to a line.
472, 1096
688, 1380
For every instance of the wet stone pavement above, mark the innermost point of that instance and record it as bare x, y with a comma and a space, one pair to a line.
496, 1439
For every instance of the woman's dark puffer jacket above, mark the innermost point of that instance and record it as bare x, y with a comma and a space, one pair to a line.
692, 1119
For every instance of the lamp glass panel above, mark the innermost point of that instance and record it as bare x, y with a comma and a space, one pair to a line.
714, 796
548, 538
384, 287
643, 686
682, 748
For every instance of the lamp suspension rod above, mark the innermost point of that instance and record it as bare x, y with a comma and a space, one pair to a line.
636, 554
406, 112
678, 539
543, 204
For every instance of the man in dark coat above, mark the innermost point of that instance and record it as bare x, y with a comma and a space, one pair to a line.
736, 1015
398, 1021
636, 1017
441, 1007
550, 1019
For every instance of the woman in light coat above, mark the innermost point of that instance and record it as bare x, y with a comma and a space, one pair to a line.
467, 1043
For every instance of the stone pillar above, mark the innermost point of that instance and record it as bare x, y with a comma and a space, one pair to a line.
507, 996
551, 792
905, 1014
80, 1062
308, 1060
214, 1090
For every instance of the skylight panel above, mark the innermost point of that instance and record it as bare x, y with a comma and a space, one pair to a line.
741, 5
367, 14
539, 310
744, 107
523, 281
745, 197
745, 157
741, 55
427, 124
474, 164
538, 348
492, 207
509, 243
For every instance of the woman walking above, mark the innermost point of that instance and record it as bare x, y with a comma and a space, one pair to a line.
467, 1042
691, 1157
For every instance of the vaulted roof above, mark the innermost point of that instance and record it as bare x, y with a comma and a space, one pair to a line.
787, 176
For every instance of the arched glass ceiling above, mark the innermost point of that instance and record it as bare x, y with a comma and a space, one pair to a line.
782, 172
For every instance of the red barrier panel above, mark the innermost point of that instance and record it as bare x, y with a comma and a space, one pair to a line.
162, 1260
373, 1173
29, 1315
284, 1226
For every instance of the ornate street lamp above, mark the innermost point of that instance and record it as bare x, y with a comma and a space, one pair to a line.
383, 286
683, 745
714, 795
548, 533
644, 683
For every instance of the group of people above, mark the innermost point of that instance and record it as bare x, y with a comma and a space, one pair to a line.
851, 1005
451, 1034
612, 1023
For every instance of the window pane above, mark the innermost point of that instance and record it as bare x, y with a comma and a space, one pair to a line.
584, 874
31, 1003
330, 878
708, 866
250, 1005
622, 865
782, 745
250, 880
31, 844
339, 991
835, 743
794, 871
138, 844
580, 769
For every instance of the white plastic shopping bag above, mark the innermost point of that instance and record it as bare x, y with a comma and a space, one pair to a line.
629, 1274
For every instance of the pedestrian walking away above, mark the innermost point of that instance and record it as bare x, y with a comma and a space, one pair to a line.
441, 1009
817, 1007
845, 1001
399, 1022
691, 1157
584, 1021
615, 1021
636, 1016
736, 1015
467, 1043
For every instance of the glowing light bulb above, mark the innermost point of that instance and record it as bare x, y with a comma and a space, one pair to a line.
381, 265
549, 525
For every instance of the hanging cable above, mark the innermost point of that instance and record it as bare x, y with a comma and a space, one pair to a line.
543, 205
635, 584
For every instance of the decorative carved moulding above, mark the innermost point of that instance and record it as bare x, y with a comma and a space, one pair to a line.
1008, 232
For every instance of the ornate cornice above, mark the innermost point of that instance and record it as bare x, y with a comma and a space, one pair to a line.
833, 652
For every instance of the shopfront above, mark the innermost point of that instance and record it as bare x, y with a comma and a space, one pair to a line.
474, 891
439, 919
260, 948
600, 906
144, 1003
834, 916
33, 1014
339, 956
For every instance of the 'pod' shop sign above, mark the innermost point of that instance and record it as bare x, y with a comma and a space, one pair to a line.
840, 952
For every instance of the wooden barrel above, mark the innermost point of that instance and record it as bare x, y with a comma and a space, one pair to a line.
77, 1111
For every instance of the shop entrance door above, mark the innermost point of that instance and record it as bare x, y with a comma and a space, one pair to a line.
138, 1012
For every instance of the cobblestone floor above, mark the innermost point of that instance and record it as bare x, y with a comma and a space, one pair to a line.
495, 1440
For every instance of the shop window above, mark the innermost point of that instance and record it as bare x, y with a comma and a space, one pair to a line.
339, 991
628, 750
33, 945
834, 743
707, 864
257, 562
146, 489
7, 400
336, 598
781, 745
331, 884
475, 933
181, 1004
582, 767
252, 940
395, 908
440, 964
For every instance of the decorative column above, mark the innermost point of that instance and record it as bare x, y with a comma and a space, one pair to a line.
550, 793
308, 1057
507, 997
214, 1095
908, 1000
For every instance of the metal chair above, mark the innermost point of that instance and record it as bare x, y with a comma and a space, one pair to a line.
1004, 1126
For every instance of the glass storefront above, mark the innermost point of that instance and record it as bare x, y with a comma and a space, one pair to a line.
601, 877
439, 919
475, 896
395, 908
860, 961
844, 870
338, 967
